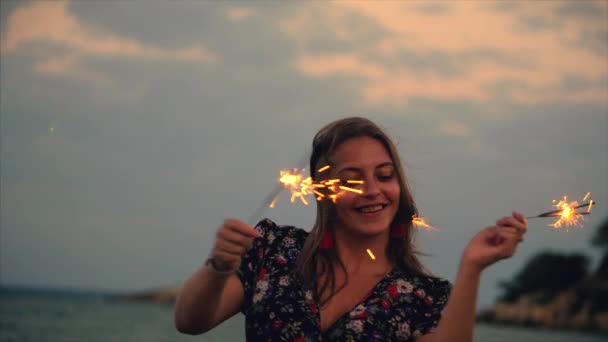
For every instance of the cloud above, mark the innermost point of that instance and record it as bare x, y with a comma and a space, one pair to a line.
464, 50
453, 128
69, 66
50, 23
239, 13
339, 64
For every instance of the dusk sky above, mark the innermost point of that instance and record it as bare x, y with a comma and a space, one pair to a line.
130, 130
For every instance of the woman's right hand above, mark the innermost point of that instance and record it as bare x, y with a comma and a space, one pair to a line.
233, 239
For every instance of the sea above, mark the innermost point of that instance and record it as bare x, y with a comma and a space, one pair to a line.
81, 316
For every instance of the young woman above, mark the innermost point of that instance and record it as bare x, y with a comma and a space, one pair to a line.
298, 286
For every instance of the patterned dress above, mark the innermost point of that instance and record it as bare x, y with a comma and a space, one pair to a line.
278, 307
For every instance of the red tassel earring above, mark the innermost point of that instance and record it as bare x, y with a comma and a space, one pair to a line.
327, 242
398, 231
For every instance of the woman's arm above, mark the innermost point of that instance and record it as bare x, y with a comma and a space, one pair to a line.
207, 300
212, 295
488, 246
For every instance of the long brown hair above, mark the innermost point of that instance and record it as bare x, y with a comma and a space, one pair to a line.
314, 262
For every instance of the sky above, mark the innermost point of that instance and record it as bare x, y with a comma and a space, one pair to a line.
130, 130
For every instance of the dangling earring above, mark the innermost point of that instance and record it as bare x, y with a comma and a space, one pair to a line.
327, 242
398, 231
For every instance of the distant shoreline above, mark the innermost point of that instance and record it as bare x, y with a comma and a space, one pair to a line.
63, 290
531, 327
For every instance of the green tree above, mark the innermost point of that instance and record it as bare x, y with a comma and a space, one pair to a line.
601, 240
547, 272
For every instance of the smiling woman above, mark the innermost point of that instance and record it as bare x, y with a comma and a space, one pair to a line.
323, 285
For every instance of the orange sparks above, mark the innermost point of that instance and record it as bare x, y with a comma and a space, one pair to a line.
323, 168
299, 186
421, 222
371, 255
567, 215
346, 188
586, 196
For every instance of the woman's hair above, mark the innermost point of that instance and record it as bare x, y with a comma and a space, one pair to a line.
313, 261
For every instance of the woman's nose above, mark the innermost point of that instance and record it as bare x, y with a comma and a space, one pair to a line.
371, 188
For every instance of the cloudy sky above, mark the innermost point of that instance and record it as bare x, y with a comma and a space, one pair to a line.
130, 130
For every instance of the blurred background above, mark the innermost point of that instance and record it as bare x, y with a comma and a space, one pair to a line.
130, 130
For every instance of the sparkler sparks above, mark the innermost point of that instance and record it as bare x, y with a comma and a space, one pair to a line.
421, 223
371, 255
297, 184
301, 186
566, 212
346, 188
323, 168
568, 215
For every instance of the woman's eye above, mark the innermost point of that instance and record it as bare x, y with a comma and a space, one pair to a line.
386, 177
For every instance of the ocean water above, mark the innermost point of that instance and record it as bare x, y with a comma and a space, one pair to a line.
41, 316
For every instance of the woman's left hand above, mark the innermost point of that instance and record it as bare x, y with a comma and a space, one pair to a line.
496, 242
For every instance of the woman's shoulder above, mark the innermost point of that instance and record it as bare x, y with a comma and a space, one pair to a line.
417, 300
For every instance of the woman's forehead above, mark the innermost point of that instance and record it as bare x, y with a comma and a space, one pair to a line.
360, 152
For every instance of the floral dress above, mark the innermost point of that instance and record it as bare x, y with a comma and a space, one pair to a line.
278, 307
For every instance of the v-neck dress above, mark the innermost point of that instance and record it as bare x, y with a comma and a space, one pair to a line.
278, 307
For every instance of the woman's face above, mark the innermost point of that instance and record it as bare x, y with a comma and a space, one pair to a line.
372, 211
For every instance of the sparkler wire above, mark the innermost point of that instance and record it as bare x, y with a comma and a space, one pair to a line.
555, 213
255, 216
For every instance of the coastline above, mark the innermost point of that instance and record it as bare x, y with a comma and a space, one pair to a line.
580, 309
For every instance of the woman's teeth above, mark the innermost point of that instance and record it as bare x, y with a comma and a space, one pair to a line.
371, 208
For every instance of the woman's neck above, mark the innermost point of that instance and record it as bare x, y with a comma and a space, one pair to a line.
353, 251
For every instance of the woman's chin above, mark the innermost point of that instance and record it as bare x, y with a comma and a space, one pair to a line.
372, 231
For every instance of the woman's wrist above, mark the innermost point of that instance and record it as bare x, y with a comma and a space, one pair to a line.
470, 269
211, 265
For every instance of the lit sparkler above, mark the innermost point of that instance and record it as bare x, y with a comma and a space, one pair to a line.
273, 195
297, 184
300, 186
567, 213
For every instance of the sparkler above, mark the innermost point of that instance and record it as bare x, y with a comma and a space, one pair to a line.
270, 199
566, 212
300, 186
